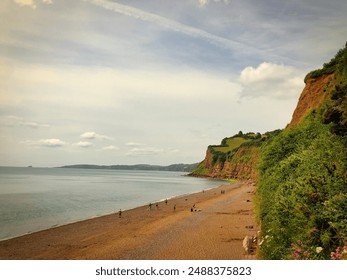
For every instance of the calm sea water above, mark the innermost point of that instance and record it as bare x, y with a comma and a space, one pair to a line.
33, 199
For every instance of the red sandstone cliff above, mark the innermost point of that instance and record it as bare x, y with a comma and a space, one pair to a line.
313, 95
243, 165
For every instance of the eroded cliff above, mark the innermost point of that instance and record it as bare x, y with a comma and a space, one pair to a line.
313, 95
238, 161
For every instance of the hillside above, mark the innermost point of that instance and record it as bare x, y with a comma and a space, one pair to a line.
302, 183
180, 167
301, 171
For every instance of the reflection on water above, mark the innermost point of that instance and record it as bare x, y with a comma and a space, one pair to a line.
32, 199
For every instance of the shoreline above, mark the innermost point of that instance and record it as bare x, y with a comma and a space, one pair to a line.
143, 233
116, 212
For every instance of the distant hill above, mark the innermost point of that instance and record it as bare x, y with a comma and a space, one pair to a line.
180, 167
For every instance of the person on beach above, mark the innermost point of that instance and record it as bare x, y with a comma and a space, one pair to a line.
157, 206
150, 206
120, 213
166, 201
175, 208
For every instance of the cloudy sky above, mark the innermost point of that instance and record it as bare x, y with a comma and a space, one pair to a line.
155, 81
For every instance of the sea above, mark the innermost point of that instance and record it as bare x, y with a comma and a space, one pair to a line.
34, 199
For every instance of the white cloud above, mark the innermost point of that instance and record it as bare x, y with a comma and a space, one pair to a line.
265, 71
109, 148
203, 3
31, 3
88, 135
83, 144
93, 135
272, 80
134, 144
13, 121
51, 143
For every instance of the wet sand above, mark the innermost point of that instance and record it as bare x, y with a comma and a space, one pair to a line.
221, 218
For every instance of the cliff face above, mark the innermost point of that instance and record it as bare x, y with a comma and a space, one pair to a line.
314, 94
242, 165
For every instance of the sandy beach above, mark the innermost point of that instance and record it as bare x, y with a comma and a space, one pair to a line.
205, 225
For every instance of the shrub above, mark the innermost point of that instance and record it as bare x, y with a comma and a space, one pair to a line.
302, 193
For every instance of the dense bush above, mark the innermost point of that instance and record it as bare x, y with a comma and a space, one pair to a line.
303, 192
218, 157
335, 113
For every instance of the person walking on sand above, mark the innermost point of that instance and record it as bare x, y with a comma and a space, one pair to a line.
166, 201
120, 213
150, 206
175, 208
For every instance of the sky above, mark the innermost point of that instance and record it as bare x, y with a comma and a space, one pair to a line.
156, 81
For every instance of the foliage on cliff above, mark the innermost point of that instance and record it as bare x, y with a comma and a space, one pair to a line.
302, 190
336, 64
236, 157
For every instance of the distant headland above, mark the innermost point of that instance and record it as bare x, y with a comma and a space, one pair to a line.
180, 167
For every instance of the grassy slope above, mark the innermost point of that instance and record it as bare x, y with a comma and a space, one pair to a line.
231, 144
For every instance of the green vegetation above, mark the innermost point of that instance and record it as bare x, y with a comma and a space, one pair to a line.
200, 170
302, 193
335, 65
218, 157
230, 145
245, 146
